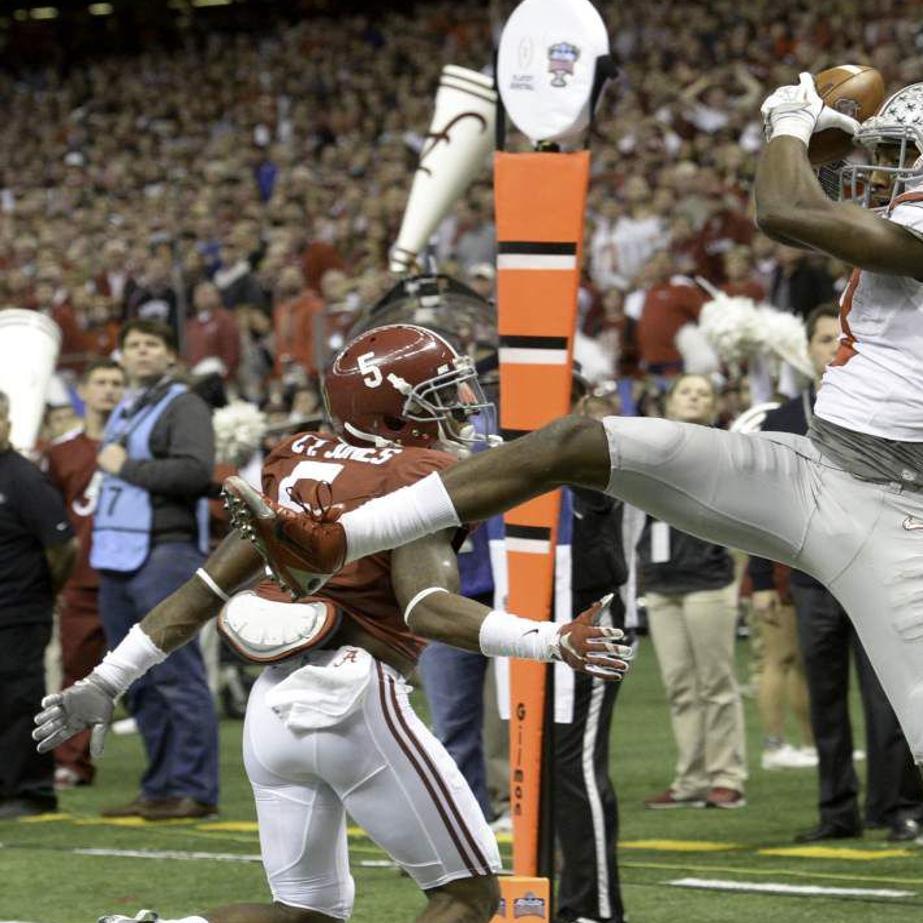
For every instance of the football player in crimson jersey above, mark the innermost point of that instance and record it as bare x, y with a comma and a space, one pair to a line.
844, 504
70, 462
329, 730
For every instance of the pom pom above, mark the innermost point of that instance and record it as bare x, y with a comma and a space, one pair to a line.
239, 430
699, 357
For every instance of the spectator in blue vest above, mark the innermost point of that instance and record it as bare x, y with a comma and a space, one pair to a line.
149, 536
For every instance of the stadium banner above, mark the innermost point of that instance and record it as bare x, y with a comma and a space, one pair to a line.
523, 897
540, 199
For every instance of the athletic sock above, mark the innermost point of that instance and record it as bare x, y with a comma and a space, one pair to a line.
397, 518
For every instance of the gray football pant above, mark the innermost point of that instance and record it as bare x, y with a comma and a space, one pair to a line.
775, 495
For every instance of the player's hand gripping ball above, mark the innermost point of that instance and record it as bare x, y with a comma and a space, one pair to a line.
824, 115
852, 90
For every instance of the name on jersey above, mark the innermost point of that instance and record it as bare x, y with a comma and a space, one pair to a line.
319, 447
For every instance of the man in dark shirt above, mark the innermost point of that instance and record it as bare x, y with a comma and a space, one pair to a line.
149, 537
37, 552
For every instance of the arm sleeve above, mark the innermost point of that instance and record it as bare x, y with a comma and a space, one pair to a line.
41, 507
186, 471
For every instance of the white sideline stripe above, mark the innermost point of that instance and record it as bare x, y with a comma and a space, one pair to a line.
168, 854
597, 691
524, 355
563, 261
528, 545
773, 887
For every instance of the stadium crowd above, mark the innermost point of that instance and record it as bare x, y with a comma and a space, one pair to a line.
245, 190
272, 167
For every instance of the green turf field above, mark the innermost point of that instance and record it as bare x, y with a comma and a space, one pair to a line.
52, 870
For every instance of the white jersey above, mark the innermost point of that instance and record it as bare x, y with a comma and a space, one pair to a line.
875, 383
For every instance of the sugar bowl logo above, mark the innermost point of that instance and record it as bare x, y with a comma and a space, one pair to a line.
529, 905
562, 56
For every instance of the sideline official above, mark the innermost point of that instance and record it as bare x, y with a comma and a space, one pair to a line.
149, 537
37, 552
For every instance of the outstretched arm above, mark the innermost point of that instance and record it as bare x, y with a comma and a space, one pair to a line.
234, 564
425, 580
170, 624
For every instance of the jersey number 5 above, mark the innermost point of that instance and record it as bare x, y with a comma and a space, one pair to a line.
306, 471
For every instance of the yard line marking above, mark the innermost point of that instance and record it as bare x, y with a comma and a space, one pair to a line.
835, 852
679, 845
774, 887
233, 826
813, 874
168, 854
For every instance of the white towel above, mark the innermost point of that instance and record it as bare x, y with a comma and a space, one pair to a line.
323, 692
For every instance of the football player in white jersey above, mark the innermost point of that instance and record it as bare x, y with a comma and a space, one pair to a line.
844, 504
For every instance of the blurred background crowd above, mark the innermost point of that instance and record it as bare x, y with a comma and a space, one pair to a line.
273, 159
239, 174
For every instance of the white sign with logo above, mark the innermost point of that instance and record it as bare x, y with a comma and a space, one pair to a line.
546, 65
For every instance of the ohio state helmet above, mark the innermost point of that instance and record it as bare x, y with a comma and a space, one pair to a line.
403, 384
898, 127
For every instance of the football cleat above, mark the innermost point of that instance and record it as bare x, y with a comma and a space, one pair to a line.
142, 916
302, 550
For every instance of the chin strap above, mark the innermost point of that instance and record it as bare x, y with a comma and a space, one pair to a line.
378, 441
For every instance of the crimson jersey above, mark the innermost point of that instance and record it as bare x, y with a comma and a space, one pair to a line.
355, 474
70, 462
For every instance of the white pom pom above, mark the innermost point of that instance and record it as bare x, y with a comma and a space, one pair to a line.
596, 364
731, 326
783, 335
239, 430
699, 357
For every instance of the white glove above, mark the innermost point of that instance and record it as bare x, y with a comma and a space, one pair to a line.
799, 111
86, 704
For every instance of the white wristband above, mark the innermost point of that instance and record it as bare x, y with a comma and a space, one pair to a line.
133, 657
505, 635
798, 125
209, 581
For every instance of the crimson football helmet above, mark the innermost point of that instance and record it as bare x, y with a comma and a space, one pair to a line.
405, 385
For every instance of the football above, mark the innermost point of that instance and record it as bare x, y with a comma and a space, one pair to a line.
854, 90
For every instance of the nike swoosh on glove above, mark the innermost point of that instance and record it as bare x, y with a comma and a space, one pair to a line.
798, 111
590, 648
86, 704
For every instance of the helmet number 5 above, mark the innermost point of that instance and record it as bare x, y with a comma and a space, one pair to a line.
371, 373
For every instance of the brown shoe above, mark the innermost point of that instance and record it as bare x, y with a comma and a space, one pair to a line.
669, 799
134, 808
725, 798
179, 809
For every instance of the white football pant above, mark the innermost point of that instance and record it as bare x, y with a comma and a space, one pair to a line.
382, 766
776, 496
